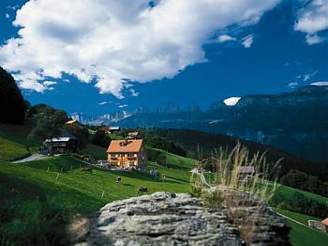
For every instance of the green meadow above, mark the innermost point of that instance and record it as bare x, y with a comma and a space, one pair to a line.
40, 198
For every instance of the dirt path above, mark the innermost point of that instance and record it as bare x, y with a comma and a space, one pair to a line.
34, 157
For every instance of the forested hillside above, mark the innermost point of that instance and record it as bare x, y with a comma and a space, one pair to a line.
12, 104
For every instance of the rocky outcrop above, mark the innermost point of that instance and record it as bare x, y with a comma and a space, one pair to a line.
165, 219
256, 222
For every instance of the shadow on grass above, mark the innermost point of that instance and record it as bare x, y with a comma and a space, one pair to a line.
62, 164
36, 213
180, 180
179, 167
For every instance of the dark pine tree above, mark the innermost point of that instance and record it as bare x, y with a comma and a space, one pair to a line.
12, 104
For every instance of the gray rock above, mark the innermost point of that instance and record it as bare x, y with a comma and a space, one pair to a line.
161, 219
179, 219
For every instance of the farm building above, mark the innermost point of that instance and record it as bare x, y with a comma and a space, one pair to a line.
245, 173
109, 129
133, 135
72, 123
127, 154
317, 225
113, 129
59, 145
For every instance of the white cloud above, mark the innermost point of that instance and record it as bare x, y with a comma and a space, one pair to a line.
113, 42
320, 83
123, 106
313, 39
7, 16
225, 38
293, 85
13, 7
306, 77
232, 101
103, 103
49, 83
313, 19
248, 41
134, 93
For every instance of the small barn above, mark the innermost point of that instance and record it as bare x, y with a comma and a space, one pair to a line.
245, 173
127, 154
317, 225
113, 129
59, 145
72, 123
109, 129
133, 135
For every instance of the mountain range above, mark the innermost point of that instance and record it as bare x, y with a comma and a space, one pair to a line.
295, 121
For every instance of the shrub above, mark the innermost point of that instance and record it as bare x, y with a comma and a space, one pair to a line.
101, 138
157, 156
213, 199
303, 181
80, 132
297, 202
227, 176
49, 121
160, 143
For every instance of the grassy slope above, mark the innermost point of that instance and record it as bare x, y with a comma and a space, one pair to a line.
32, 189
288, 192
31, 192
45, 194
302, 235
44, 173
10, 150
14, 143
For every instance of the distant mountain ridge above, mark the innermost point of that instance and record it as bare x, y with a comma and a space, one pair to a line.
296, 121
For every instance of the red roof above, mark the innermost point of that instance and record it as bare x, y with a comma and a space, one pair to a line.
125, 146
325, 222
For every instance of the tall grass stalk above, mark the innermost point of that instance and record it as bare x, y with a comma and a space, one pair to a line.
228, 167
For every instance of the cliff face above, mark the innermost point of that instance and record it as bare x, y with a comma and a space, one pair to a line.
179, 219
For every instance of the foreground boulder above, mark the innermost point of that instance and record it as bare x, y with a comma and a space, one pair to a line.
163, 219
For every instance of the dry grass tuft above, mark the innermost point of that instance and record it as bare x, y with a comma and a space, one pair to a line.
228, 174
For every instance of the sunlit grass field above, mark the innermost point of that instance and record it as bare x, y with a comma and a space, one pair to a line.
46, 194
38, 199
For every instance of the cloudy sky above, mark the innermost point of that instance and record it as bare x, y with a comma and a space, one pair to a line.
98, 56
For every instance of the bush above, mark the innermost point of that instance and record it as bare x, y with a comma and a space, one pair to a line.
101, 138
303, 181
81, 133
157, 156
49, 121
297, 202
213, 199
12, 104
228, 175
160, 143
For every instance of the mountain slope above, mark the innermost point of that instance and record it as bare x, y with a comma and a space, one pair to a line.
38, 199
296, 122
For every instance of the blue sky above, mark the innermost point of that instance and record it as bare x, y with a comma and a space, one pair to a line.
151, 59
